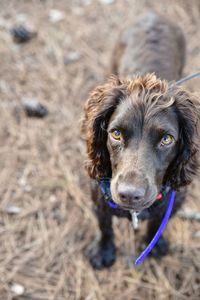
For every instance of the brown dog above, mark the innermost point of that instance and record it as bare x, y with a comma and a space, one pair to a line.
141, 131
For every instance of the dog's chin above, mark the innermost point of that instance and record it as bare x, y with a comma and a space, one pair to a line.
137, 206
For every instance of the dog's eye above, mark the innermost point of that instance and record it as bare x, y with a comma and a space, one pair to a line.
116, 134
167, 140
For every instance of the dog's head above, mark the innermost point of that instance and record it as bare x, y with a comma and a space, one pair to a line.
141, 133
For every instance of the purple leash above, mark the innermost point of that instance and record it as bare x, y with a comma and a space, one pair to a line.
159, 231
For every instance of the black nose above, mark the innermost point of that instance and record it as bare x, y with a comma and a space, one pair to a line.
130, 193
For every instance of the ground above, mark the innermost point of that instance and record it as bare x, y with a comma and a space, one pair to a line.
46, 218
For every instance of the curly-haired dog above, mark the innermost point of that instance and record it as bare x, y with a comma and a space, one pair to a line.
141, 131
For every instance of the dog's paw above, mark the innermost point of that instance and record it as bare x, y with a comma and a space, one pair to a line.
160, 249
102, 256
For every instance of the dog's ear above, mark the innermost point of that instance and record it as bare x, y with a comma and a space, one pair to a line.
186, 164
98, 110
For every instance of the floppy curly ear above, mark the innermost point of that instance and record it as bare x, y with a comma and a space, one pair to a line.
185, 165
98, 110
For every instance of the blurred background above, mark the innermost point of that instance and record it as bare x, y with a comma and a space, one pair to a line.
52, 53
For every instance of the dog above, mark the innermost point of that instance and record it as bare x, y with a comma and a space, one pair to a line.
141, 132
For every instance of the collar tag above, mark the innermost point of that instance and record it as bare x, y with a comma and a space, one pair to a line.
135, 222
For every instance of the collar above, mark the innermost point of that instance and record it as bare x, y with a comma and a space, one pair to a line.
147, 213
105, 189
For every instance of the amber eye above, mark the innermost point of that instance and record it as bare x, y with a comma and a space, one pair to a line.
167, 140
116, 134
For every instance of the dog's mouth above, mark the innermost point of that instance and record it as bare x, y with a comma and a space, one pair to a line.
134, 196
137, 207
132, 205
136, 204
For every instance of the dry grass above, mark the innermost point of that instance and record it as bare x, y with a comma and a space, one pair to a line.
42, 247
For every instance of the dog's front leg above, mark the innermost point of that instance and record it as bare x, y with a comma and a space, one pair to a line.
104, 252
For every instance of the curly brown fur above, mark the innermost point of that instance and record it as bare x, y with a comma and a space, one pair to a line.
156, 95
144, 108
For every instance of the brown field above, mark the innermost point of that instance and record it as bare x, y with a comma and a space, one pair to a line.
42, 175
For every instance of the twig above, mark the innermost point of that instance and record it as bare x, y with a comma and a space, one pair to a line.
189, 215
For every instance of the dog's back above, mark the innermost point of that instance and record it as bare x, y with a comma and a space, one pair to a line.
152, 45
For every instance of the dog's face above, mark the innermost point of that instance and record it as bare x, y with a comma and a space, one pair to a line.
141, 146
141, 134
